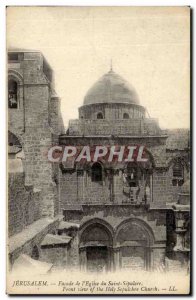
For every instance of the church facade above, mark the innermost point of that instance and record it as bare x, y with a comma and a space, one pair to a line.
96, 216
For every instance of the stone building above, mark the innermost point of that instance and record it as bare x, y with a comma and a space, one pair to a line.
95, 216
34, 123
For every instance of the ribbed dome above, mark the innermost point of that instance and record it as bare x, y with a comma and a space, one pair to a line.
111, 88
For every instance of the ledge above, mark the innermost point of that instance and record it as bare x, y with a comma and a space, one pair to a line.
68, 225
178, 207
66, 208
112, 136
51, 240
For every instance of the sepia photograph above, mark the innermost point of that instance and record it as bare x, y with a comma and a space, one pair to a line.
98, 150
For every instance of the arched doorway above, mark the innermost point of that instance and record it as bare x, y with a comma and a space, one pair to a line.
133, 241
96, 248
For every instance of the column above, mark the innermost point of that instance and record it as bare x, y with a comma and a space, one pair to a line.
83, 259
117, 264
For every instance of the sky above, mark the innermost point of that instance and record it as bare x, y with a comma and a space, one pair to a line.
149, 47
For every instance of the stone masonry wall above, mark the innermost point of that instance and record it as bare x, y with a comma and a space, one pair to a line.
37, 140
78, 189
23, 204
159, 188
173, 191
56, 255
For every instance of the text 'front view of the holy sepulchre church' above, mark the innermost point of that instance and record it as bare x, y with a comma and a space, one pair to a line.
93, 216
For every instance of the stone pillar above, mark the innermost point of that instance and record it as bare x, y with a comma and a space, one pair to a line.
158, 259
181, 252
83, 260
151, 188
148, 258
180, 231
117, 265
80, 185
74, 257
111, 263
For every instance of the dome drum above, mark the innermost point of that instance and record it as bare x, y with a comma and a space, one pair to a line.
111, 111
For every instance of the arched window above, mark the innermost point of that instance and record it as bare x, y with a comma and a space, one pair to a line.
99, 115
96, 172
12, 94
132, 176
125, 116
178, 174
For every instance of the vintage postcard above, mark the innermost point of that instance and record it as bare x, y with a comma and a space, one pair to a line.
98, 122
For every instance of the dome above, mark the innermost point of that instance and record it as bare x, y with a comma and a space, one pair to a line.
111, 88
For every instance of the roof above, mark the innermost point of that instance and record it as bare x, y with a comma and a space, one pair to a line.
111, 88
178, 139
13, 140
30, 232
19, 50
51, 239
14, 149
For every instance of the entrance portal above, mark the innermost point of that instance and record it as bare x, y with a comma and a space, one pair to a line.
134, 241
97, 259
95, 248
